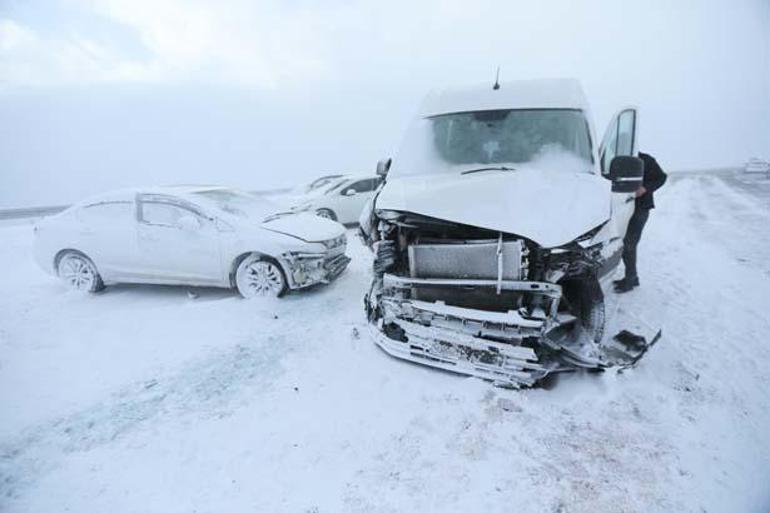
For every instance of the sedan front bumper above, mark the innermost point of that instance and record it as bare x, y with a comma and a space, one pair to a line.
308, 269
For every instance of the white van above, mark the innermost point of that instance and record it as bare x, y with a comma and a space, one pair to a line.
498, 228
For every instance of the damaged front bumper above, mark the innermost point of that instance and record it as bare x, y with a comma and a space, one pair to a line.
514, 348
308, 269
486, 344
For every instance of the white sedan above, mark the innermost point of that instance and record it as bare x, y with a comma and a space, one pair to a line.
203, 236
336, 197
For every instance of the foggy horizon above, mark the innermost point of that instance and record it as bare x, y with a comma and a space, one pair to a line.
263, 96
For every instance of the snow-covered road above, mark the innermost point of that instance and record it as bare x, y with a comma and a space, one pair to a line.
149, 399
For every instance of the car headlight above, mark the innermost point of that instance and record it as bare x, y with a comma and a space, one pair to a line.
587, 239
335, 242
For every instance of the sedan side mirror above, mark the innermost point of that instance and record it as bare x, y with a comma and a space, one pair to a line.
626, 173
383, 166
349, 192
188, 223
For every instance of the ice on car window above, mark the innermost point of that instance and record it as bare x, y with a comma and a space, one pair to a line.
455, 142
367, 185
163, 214
503, 136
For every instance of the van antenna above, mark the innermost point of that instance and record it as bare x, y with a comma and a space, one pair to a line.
497, 80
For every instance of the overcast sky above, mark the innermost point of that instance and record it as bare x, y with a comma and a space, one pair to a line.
97, 94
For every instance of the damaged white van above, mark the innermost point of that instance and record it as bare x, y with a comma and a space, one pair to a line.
498, 227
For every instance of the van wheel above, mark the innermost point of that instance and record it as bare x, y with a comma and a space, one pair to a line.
78, 272
257, 276
586, 302
326, 214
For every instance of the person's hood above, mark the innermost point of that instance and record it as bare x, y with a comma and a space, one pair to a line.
307, 227
551, 208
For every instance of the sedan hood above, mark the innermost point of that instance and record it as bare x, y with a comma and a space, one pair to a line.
548, 207
307, 227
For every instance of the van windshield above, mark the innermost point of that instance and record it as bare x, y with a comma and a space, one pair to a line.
463, 141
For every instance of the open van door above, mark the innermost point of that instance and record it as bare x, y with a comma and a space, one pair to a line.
620, 139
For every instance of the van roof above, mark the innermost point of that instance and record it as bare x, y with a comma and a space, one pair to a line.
561, 93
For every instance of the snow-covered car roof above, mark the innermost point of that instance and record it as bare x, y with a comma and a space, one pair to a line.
562, 93
182, 189
257, 207
128, 194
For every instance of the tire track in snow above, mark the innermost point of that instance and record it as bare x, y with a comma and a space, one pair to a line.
735, 218
521, 451
208, 388
715, 327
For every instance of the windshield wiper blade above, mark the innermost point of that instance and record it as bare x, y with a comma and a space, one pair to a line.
492, 168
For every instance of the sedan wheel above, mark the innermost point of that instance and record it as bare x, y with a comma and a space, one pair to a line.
256, 277
79, 273
326, 214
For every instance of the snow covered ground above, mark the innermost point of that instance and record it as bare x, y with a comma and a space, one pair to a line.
152, 399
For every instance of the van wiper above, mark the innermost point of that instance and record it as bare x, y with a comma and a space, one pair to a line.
495, 168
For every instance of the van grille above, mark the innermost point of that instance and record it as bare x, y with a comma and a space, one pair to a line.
467, 259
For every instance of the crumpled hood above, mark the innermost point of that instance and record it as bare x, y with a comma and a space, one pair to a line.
551, 208
307, 227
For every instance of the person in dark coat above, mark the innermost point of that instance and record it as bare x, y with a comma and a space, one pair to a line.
654, 178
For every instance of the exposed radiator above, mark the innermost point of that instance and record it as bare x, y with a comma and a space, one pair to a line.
469, 259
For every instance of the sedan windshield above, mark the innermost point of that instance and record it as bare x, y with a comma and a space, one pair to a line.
495, 139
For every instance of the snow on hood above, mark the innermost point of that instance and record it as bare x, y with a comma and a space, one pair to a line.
293, 198
307, 227
551, 208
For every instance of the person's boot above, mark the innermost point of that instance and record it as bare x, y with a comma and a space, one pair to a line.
625, 284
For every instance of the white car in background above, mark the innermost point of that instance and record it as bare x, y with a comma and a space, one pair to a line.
756, 165
191, 235
339, 198
315, 184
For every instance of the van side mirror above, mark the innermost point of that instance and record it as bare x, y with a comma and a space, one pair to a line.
383, 166
626, 173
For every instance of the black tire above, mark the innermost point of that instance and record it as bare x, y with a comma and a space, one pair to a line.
326, 214
586, 302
